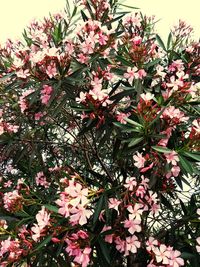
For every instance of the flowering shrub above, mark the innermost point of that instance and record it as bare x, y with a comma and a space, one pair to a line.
100, 142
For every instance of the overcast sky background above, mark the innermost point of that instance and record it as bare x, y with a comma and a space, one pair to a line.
16, 14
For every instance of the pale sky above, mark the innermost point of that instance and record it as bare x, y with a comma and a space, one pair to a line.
16, 14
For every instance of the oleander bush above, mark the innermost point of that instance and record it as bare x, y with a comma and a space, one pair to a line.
100, 142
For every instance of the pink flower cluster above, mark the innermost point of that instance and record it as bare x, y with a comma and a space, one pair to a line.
163, 254
12, 201
7, 126
73, 203
11, 250
134, 73
46, 94
43, 220
41, 180
78, 247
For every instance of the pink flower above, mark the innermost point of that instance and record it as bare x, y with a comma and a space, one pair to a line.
175, 170
141, 74
42, 218
80, 215
139, 160
87, 47
122, 116
120, 244
84, 257
12, 201
72, 248
114, 203
151, 244
63, 202
137, 40
131, 74
41, 180
45, 99
141, 191
174, 114
135, 212
78, 193
47, 89
81, 98
133, 226
83, 58
22, 73
147, 97
175, 260
172, 158
108, 238
102, 39
131, 244
162, 254
36, 232
130, 183
51, 71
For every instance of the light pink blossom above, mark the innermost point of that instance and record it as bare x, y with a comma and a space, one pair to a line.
139, 160
172, 158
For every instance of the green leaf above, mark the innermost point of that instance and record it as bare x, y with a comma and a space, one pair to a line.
135, 141
113, 20
74, 12
166, 202
124, 61
178, 180
157, 117
152, 63
133, 122
169, 40
44, 242
85, 18
98, 209
51, 208
187, 255
191, 155
122, 94
160, 42
162, 149
183, 207
132, 7
104, 249
22, 214
186, 165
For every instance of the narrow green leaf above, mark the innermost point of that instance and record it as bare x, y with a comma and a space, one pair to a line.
104, 249
124, 61
183, 207
187, 255
85, 18
162, 149
135, 141
166, 202
51, 208
98, 209
132, 7
169, 40
113, 20
160, 42
133, 122
192, 155
152, 63
186, 165
44, 242
157, 117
